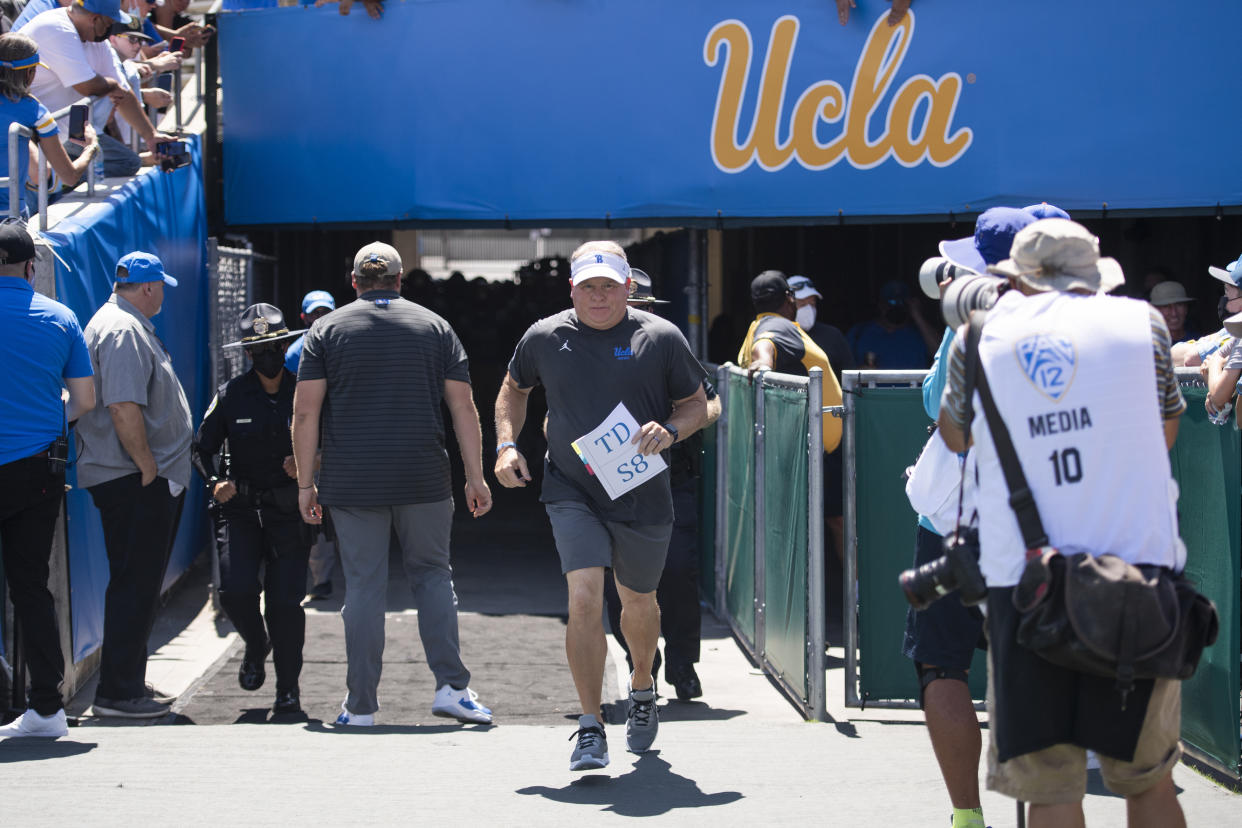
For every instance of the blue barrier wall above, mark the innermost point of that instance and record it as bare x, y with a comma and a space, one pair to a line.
529, 110
163, 214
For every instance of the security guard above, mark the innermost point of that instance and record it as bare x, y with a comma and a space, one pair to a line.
255, 505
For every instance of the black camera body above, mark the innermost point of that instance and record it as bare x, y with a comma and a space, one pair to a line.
956, 569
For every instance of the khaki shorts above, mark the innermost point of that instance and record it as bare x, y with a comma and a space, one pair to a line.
1058, 774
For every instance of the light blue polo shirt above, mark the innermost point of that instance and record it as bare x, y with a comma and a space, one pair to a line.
42, 343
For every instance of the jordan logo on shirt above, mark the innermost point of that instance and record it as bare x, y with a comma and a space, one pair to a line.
1048, 362
565, 347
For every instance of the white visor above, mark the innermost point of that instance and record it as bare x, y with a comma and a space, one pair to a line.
593, 265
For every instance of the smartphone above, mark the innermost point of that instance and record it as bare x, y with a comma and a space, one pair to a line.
177, 44
77, 122
174, 154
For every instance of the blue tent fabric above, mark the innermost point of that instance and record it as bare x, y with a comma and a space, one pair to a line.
165, 214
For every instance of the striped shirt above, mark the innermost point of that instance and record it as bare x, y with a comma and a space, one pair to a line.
385, 360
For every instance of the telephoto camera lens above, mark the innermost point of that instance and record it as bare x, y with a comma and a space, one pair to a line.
935, 270
956, 569
969, 293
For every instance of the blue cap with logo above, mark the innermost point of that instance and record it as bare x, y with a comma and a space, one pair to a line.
108, 8
142, 267
994, 232
317, 299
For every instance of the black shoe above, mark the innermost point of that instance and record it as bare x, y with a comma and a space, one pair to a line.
287, 701
686, 684
252, 674
320, 591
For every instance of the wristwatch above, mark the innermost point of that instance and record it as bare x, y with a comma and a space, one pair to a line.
672, 429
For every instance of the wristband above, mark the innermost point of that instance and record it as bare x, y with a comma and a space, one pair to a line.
505, 445
671, 429
311, 486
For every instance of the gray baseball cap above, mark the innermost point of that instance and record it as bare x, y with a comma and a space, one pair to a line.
379, 252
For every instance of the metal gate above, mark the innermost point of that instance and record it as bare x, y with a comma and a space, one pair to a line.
231, 272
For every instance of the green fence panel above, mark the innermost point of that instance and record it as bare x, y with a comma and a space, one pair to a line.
740, 508
1207, 462
784, 537
890, 429
707, 513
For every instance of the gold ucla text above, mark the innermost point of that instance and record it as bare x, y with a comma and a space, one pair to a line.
932, 140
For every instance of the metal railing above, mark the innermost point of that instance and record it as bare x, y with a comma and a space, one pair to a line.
19, 133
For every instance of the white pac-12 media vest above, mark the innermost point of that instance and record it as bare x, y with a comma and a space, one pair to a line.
1074, 379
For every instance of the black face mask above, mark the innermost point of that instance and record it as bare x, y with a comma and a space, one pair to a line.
268, 363
1222, 309
896, 314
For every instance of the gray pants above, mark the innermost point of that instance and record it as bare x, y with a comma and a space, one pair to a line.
423, 531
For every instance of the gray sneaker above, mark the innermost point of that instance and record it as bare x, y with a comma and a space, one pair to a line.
591, 752
139, 708
643, 721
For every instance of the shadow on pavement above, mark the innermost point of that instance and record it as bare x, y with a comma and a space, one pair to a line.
34, 750
316, 726
650, 789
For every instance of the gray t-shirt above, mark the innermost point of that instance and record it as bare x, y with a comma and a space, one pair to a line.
132, 365
642, 361
385, 360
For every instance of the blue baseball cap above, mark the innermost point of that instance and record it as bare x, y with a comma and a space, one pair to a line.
142, 267
1230, 274
1044, 210
318, 299
108, 8
994, 232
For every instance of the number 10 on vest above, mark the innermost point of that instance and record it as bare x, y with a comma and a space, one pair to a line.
609, 455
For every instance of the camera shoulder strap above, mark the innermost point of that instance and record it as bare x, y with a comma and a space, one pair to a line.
1020, 498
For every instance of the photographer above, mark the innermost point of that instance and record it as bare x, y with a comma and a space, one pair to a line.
1091, 432
941, 639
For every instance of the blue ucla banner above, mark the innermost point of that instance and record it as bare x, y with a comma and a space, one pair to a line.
637, 111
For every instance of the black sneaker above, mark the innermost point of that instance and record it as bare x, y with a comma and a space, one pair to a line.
252, 674
139, 708
591, 751
287, 701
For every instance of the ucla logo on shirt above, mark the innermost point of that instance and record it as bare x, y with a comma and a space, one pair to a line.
623, 353
1048, 362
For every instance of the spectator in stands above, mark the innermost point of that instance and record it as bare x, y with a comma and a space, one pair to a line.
678, 592
19, 58
895, 14
134, 459
1171, 300
127, 41
375, 8
41, 347
398, 480
76, 62
171, 21
323, 555
889, 341
35, 8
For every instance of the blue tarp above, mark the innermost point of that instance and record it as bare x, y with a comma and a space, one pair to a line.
529, 110
163, 214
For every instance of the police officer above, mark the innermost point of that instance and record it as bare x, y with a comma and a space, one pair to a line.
255, 505
678, 592
42, 347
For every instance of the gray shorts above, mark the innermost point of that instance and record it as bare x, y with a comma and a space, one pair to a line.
635, 551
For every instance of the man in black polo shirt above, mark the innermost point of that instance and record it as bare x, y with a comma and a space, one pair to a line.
377, 370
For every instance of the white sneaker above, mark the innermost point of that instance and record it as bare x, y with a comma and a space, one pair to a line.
354, 719
462, 705
31, 724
